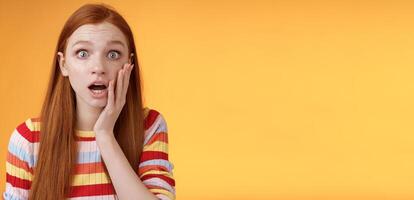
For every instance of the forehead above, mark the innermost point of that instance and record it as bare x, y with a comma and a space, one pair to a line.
101, 33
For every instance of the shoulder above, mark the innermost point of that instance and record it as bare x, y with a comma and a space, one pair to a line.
153, 118
154, 124
24, 141
28, 130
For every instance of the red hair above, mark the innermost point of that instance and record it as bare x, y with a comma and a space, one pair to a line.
57, 152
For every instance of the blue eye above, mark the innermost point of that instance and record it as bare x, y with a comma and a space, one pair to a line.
82, 53
114, 54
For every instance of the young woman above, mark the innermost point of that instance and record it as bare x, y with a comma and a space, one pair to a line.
94, 139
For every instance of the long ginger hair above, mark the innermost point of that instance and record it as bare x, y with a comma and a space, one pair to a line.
57, 152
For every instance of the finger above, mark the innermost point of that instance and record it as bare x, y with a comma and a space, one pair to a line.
111, 95
119, 85
127, 77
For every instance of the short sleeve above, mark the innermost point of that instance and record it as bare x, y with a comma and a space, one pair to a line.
19, 163
155, 169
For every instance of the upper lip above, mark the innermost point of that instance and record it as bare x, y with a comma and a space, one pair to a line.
99, 83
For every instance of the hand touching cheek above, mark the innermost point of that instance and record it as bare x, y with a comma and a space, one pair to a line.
104, 126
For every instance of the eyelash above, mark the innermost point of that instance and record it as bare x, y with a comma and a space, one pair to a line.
119, 53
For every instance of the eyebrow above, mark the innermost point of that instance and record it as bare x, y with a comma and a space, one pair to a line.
110, 42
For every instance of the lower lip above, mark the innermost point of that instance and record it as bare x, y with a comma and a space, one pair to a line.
100, 94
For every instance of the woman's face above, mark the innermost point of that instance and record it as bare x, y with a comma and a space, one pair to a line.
94, 53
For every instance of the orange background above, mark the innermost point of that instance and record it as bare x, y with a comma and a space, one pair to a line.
263, 99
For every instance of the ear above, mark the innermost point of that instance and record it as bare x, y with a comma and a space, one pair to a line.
62, 66
131, 58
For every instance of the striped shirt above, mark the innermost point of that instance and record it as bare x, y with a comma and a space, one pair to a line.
90, 180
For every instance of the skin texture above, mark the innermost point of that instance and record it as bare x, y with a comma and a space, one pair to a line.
99, 61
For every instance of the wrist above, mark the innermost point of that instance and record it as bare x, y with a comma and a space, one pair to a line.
104, 136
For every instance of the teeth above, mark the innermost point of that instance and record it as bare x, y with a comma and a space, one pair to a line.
97, 91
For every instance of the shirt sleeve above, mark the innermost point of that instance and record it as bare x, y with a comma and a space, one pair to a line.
155, 169
19, 164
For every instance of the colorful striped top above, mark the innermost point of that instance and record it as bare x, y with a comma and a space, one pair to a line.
90, 180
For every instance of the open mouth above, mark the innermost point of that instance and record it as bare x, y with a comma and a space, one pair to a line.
98, 90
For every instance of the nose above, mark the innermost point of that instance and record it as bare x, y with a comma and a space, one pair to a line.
98, 67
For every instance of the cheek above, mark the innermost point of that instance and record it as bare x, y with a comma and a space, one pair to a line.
77, 83
113, 73
77, 79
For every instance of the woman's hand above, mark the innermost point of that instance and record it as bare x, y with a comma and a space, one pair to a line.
104, 126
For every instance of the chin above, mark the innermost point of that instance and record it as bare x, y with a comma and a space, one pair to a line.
101, 103
92, 102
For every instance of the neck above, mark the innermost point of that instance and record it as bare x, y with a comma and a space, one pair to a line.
86, 116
